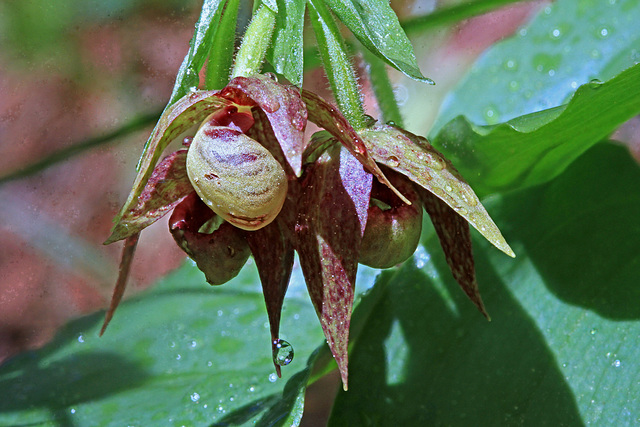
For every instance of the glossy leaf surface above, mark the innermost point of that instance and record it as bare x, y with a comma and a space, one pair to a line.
183, 353
562, 342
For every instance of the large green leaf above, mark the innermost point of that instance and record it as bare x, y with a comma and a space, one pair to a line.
533, 149
568, 44
561, 348
181, 354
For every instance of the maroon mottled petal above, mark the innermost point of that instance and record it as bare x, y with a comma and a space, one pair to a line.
273, 253
327, 116
414, 157
187, 111
332, 218
121, 284
455, 238
262, 132
167, 186
219, 255
284, 109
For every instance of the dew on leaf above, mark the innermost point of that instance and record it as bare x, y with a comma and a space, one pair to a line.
595, 84
273, 378
195, 397
282, 352
272, 76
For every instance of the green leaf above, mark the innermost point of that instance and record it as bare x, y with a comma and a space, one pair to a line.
286, 53
220, 57
534, 149
560, 349
569, 43
183, 353
376, 25
188, 78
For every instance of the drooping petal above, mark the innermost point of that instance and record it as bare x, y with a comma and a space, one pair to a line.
283, 107
455, 238
413, 156
187, 111
331, 222
221, 254
167, 186
327, 116
273, 253
121, 284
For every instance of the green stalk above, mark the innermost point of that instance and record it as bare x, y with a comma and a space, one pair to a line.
337, 65
255, 43
221, 52
382, 88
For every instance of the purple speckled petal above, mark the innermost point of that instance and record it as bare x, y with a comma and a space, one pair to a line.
455, 238
220, 255
187, 111
167, 186
284, 109
331, 222
327, 116
273, 254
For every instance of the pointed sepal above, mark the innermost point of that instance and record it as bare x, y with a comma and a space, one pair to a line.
331, 222
455, 239
167, 186
415, 157
273, 254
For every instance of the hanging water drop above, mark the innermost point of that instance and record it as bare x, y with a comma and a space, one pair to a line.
282, 352
272, 76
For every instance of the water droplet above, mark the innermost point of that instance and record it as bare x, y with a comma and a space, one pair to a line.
209, 363
178, 357
272, 76
73, 411
461, 210
391, 123
604, 32
195, 397
595, 84
514, 85
80, 338
273, 378
392, 161
282, 352
193, 344
252, 389
193, 89
555, 34
616, 363
448, 188
552, 73
593, 331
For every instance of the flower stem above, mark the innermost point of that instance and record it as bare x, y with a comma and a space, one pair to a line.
337, 65
255, 43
